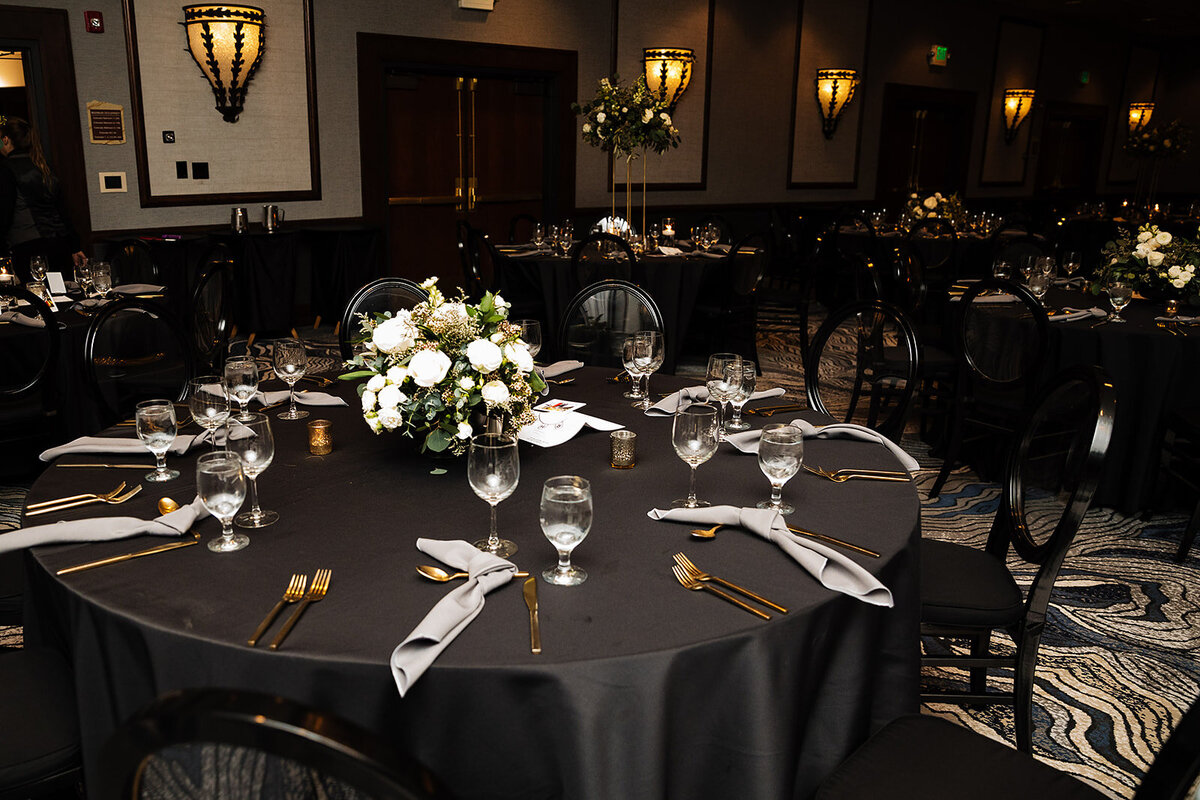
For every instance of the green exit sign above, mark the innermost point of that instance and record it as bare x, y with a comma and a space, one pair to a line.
939, 54
1085, 77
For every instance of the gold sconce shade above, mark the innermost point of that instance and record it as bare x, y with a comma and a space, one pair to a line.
1139, 116
668, 71
835, 89
1017, 103
227, 43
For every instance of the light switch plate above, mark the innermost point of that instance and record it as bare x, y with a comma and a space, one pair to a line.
112, 182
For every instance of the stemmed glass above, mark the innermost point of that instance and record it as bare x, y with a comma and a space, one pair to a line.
648, 355
780, 454
743, 390
1119, 295
1039, 282
156, 428
695, 438
102, 278
1071, 263
629, 360
1046, 265
222, 489
290, 364
37, 268
493, 470
250, 439
539, 234
1001, 269
209, 404
531, 335
566, 518
1027, 265
724, 372
241, 381
83, 277
653, 235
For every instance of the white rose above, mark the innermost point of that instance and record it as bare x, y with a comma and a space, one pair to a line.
913, 196
376, 383
484, 355
429, 367
1143, 250
464, 430
450, 313
375, 424
938, 195
1173, 272
496, 337
390, 418
368, 401
1155, 258
391, 396
665, 117
931, 214
466, 384
1179, 283
587, 128
1190, 268
600, 117
394, 335
397, 375
930, 203
519, 355
429, 283
1144, 235
647, 115
499, 302
1163, 238
495, 392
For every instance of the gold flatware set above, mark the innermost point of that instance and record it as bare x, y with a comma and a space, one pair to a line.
843, 475
689, 582
694, 572
146, 467
766, 411
711, 533
316, 592
62, 503
440, 575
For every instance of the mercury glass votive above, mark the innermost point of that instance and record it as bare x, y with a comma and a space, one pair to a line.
320, 442
1172, 307
624, 449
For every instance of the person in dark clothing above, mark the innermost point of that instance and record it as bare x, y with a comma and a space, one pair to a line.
33, 220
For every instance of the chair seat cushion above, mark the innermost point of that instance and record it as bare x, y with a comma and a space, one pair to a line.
966, 586
40, 737
927, 757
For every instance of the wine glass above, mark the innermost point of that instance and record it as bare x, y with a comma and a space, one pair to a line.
630, 362
1039, 282
290, 363
780, 454
493, 470
83, 277
37, 268
743, 390
694, 435
653, 236
539, 234
1071, 263
1046, 265
250, 439
1027, 265
222, 488
531, 335
1119, 295
1001, 269
209, 404
241, 381
648, 355
566, 517
102, 278
156, 428
719, 383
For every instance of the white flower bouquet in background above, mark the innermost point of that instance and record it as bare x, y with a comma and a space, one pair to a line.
919, 207
429, 370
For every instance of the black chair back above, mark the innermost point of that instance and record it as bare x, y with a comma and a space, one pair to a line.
377, 297
600, 316
933, 241
210, 314
1000, 346
29, 403
32, 350
599, 256
520, 229
852, 235
863, 367
132, 262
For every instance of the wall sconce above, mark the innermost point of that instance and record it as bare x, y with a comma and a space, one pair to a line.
1017, 103
1139, 116
227, 43
668, 71
835, 88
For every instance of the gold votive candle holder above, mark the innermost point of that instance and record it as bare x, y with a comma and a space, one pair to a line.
624, 449
1172, 307
320, 442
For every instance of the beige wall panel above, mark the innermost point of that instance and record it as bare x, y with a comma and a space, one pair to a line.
1018, 60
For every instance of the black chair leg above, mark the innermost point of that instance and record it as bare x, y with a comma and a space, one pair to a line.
1023, 675
952, 446
1189, 535
980, 647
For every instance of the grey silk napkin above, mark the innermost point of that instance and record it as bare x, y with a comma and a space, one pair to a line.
105, 444
139, 288
21, 319
698, 394
748, 442
832, 569
453, 612
303, 398
102, 529
1072, 314
561, 367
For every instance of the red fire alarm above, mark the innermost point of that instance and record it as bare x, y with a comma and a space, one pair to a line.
93, 22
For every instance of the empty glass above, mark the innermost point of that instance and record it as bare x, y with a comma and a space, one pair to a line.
780, 454
222, 489
241, 381
531, 335
629, 360
209, 404
742, 392
250, 439
102, 278
493, 470
291, 361
648, 355
1119, 295
724, 373
694, 436
156, 428
566, 517
83, 277
539, 234
653, 237
1046, 265
1039, 282
1001, 269
37, 268
1071, 263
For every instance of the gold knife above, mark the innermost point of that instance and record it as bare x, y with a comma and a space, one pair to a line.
162, 548
535, 631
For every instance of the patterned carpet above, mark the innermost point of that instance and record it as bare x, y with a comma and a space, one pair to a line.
1119, 662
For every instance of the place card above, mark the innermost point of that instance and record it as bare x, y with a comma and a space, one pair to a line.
57, 285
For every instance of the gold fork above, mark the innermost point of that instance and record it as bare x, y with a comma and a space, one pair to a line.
320, 586
695, 572
84, 496
293, 593
843, 475
112, 501
689, 582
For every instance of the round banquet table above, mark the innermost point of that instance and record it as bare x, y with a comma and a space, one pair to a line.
643, 689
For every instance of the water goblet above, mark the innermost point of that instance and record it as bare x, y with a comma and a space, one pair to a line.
630, 362
222, 488
1027, 266
156, 428
780, 454
718, 380
1001, 269
1046, 265
291, 361
37, 268
653, 236
539, 234
250, 439
241, 381
1039, 282
694, 436
209, 404
83, 277
531, 335
648, 355
743, 390
102, 278
1119, 295
1071, 263
493, 470
566, 517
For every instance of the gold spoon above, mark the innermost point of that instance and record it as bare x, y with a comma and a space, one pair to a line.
710, 533
166, 505
441, 576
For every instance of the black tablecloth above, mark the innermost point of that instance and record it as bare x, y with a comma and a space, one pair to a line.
643, 689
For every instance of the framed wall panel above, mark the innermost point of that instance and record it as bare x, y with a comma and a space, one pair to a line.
1017, 65
1140, 86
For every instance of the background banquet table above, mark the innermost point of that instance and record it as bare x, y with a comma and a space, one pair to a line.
643, 689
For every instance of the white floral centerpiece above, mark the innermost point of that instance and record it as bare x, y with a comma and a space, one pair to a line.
431, 369
935, 205
1153, 261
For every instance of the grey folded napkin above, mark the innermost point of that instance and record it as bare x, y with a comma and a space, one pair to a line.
1069, 282
669, 251
454, 612
304, 398
1003, 297
121, 446
103, 529
1071, 314
832, 569
138, 288
92, 302
21, 319
720, 248
528, 253
561, 367
1180, 319
748, 442
709, 254
698, 394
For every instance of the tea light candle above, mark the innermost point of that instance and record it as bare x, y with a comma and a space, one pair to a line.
624, 449
320, 443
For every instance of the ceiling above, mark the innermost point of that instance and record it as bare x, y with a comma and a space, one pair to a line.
1151, 19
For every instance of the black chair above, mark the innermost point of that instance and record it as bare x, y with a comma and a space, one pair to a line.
1181, 461
210, 313
1017, 249
135, 350
1000, 349
933, 242
966, 593
866, 350
726, 310
253, 745
920, 756
852, 235
39, 737
385, 294
522, 224
600, 256
132, 262
597, 320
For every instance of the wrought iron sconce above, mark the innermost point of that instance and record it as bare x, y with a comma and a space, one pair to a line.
227, 43
1017, 104
1139, 116
835, 89
668, 71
